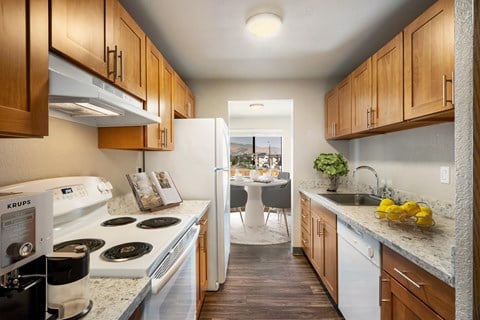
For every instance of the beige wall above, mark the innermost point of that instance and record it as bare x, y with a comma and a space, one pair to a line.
308, 122
410, 160
70, 149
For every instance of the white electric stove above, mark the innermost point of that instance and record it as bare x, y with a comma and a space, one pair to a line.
80, 208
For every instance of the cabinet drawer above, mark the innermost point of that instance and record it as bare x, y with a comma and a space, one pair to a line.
304, 201
306, 219
433, 292
306, 242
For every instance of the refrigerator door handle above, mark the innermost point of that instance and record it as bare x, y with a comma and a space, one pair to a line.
216, 169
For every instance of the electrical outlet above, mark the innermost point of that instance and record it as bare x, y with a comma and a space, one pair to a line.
445, 175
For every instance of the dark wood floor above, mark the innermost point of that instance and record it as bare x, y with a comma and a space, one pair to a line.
268, 282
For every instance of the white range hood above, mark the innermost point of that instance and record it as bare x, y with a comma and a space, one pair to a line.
78, 96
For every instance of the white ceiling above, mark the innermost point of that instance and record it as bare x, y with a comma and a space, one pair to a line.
206, 39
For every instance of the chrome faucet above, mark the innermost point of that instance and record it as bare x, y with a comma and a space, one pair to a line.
377, 190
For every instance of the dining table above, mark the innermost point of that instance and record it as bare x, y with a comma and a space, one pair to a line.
254, 207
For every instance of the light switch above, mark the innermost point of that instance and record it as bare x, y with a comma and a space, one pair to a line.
445, 175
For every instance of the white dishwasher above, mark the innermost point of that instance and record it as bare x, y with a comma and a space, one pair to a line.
358, 274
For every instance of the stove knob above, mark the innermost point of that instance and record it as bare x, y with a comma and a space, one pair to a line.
20, 250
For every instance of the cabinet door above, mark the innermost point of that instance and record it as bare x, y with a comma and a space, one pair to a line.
166, 106
330, 260
79, 30
362, 97
387, 81
429, 61
317, 244
331, 113
24, 68
344, 126
154, 88
399, 304
130, 41
190, 104
179, 96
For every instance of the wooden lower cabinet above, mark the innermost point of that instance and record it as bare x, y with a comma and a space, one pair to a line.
409, 292
324, 247
306, 226
201, 258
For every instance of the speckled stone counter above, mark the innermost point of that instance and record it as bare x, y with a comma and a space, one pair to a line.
432, 249
116, 298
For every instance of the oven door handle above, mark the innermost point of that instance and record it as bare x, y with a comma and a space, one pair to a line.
158, 283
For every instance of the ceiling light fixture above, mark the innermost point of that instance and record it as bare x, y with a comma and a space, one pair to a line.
256, 106
264, 24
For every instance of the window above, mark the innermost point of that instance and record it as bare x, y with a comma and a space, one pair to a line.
256, 152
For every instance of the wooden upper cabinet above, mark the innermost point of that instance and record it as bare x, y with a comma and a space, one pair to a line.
339, 110
154, 137
362, 97
166, 106
101, 36
79, 30
179, 96
128, 49
387, 82
344, 125
331, 113
429, 61
190, 104
24, 68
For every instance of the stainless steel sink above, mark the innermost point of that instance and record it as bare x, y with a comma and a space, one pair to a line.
352, 199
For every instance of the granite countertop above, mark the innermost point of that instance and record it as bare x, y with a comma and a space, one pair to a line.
431, 249
118, 298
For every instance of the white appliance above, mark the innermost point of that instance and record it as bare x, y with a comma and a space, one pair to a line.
358, 274
199, 165
166, 255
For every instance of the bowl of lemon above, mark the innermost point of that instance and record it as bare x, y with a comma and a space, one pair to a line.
410, 212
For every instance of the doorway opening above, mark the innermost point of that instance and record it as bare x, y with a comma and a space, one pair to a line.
261, 152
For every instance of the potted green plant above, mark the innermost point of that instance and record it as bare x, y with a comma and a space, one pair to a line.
333, 165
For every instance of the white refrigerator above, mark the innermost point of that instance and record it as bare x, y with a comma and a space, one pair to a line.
199, 166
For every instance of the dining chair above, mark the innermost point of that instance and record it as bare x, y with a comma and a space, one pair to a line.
284, 175
278, 198
238, 200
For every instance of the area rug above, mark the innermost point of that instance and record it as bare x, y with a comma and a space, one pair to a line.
272, 233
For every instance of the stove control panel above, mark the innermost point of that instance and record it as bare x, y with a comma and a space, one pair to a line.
69, 193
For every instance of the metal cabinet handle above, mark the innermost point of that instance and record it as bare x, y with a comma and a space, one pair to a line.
453, 88
372, 118
120, 56
334, 129
368, 118
444, 90
408, 279
114, 71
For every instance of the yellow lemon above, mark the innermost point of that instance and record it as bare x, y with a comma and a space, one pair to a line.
386, 202
411, 207
424, 217
425, 211
394, 212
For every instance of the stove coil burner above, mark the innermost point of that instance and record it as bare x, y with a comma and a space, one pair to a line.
118, 221
127, 251
160, 222
69, 246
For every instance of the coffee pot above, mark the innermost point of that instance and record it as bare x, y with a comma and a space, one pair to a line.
67, 283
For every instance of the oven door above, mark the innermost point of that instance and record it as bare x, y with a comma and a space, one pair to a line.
173, 295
